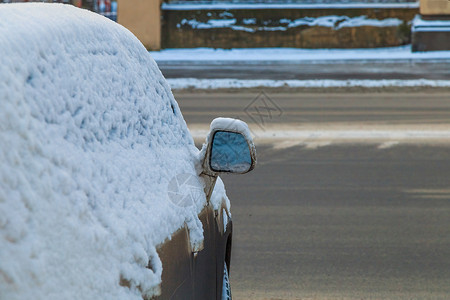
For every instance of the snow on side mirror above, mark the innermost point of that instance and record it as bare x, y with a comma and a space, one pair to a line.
229, 153
230, 147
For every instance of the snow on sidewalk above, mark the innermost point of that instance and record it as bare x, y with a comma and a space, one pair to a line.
296, 55
293, 55
194, 83
237, 6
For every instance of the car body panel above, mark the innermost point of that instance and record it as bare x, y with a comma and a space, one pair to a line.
189, 274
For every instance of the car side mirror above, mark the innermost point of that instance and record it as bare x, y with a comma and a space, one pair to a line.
230, 147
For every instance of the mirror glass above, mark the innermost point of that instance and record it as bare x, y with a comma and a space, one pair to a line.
230, 153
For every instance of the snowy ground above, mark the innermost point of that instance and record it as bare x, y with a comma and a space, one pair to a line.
296, 55
367, 66
329, 5
194, 83
422, 25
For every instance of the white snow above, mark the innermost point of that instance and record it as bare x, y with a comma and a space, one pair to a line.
249, 21
296, 55
339, 22
336, 22
218, 195
220, 23
225, 219
421, 25
233, 125
210, 24
237, 6
184, 83
90, 137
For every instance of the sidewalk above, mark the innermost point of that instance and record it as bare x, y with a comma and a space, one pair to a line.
293, 55
205, 68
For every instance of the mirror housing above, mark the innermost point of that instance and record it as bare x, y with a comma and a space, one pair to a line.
229, 148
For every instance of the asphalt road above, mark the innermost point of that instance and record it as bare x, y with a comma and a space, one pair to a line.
341, 220
303, 108
305, 71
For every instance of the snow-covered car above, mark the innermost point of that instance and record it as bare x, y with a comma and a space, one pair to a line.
103, 194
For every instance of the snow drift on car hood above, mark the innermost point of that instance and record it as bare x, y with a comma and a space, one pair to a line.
90, 137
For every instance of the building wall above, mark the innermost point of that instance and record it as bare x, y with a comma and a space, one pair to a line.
435, 7
431, 41
143, 19
158, 28
431, 32
186, 28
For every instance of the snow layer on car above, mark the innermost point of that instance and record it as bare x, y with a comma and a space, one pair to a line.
219, 196
233, 125
90, 137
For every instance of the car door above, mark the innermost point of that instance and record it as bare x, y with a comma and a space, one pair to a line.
190, 273
204, 261
176, 278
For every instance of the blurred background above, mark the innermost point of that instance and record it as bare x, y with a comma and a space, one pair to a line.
311, 24
107, 8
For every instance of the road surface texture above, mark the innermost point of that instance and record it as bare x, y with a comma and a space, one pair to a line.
341, 218
343, 222
304, 71
378, 108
